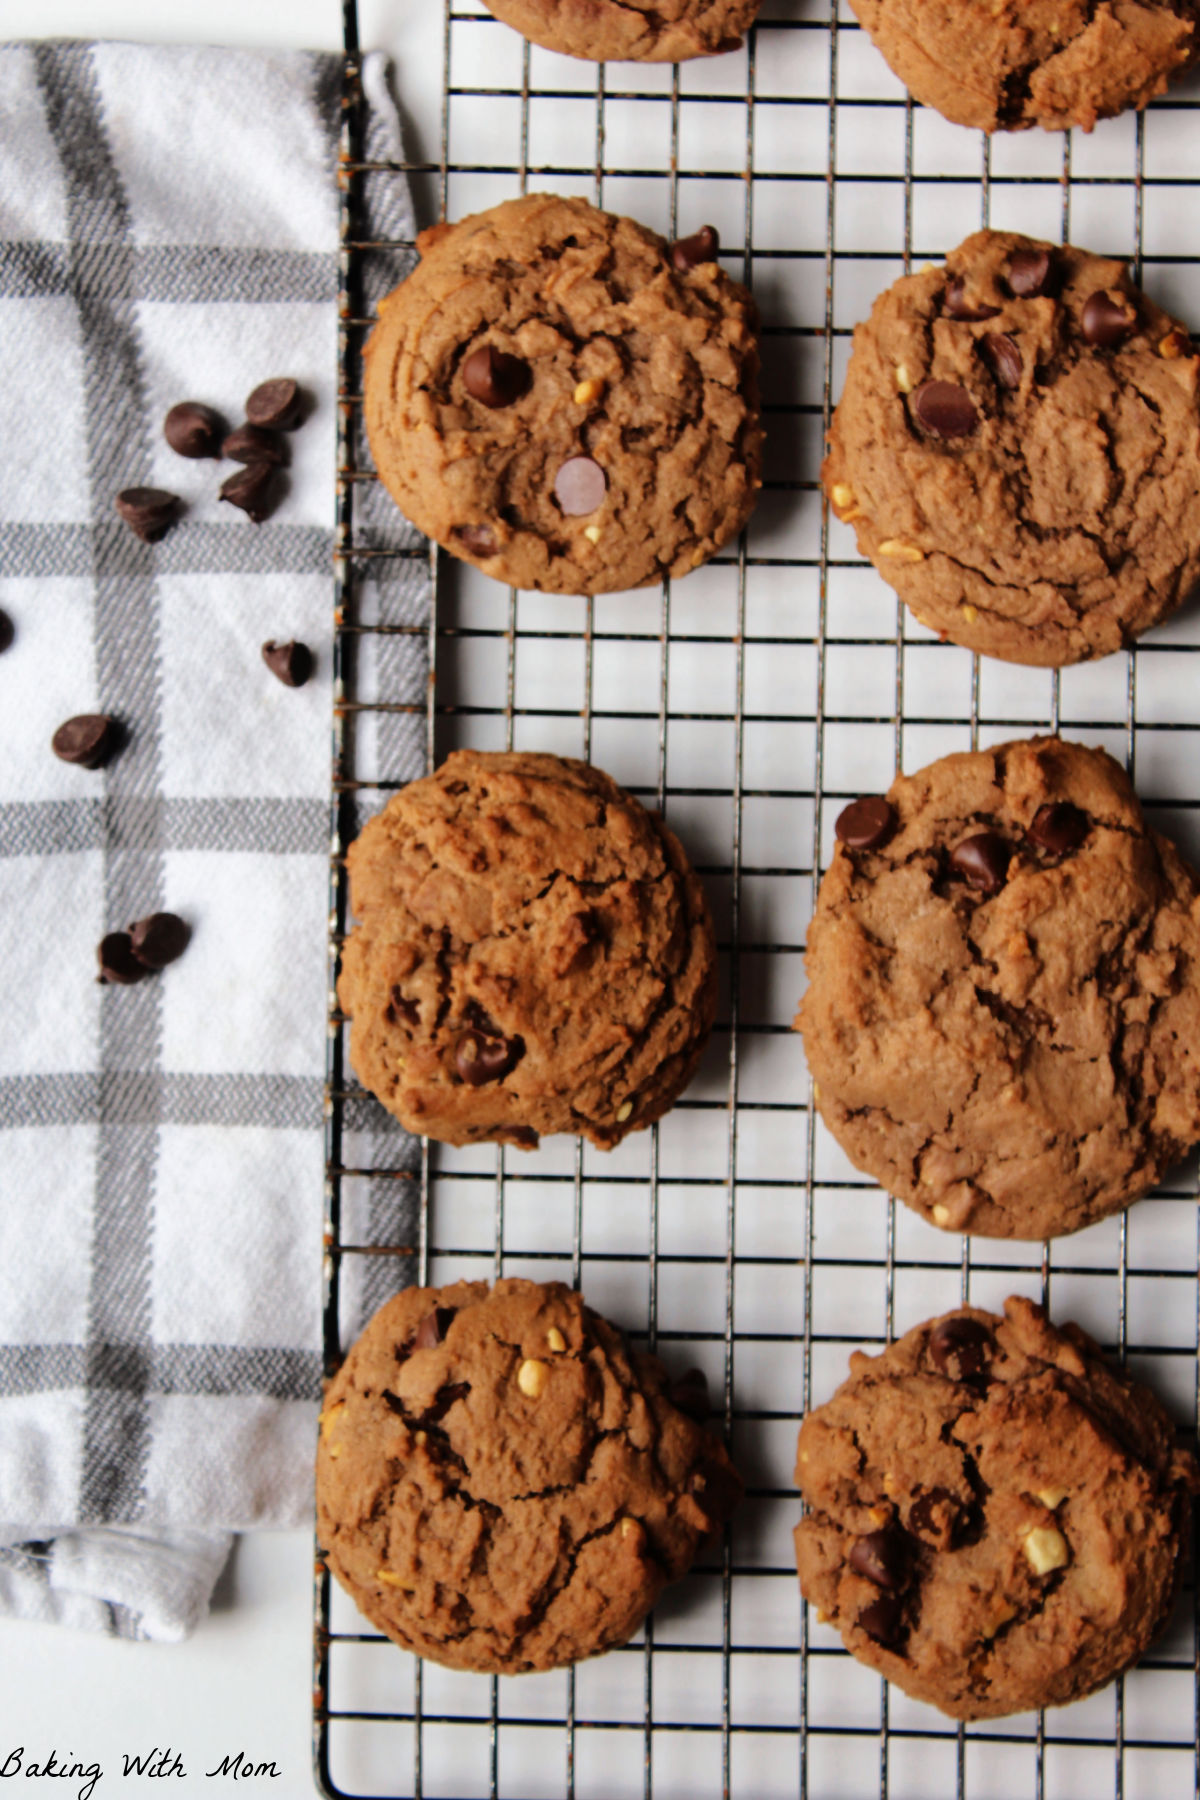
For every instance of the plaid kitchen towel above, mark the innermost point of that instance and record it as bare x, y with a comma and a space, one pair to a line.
168, 231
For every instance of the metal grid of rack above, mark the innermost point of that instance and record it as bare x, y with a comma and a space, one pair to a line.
746, 702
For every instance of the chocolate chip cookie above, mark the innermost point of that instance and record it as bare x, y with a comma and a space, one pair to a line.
1016, 449
1003, 1012
503, 1484
630, 30
566, 400
534, 954
1016, 63
998, 1517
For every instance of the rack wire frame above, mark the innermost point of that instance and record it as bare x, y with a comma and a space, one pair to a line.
913, 1749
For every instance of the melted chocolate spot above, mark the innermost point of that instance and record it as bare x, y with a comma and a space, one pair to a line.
960, 1348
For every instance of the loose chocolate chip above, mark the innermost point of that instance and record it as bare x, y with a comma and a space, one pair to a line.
580, 485
865, 824
159, 939
250, 488
495, 379
7, 632
147, 511
690, 1394
88, 740
1000, 353
255, 444
1059, 827
277, 404
480, 540
956, 304
1108, 319
982, 861
291, 662
882, 1557
433, 1327
689, 252
480, 1059
118, 964
1029, 273
193, 429
883, 1620
960, 1348
944, 409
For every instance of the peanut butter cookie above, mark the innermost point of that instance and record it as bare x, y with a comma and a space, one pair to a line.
502, 1484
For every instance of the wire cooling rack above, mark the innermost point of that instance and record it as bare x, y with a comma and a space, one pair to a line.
748, 702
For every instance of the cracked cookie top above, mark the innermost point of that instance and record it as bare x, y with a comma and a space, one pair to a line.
997, 1517
534, 954
1016, 63
630, 30
1003, 1012
566, 400
1018, 449
502, 1484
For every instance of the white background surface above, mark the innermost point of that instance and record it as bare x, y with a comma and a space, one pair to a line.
242, 1683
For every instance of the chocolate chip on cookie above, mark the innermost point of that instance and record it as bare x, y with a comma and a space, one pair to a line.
1002, 356
1109, 319
944, 409
1030, 268
580, 486
959, 305
495, 379
960, 1347
689, 252
982, 860
865, 824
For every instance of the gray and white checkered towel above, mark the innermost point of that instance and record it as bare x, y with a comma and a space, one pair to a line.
168, 231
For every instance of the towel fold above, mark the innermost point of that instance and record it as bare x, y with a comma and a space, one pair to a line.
168, 231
